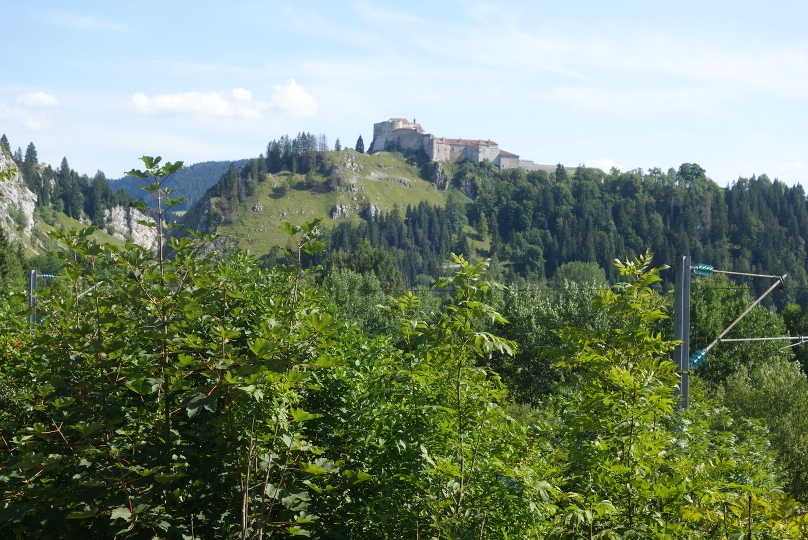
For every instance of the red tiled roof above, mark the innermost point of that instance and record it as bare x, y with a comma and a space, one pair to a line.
507, 154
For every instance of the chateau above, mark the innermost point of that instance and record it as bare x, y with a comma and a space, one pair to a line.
399, 134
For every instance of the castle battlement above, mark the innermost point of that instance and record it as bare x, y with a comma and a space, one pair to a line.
399, 134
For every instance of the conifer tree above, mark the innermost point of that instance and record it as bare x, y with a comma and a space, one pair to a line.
29, 167
4, 143
360, 145
337, 145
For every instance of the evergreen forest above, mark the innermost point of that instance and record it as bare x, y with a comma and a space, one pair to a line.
495, 368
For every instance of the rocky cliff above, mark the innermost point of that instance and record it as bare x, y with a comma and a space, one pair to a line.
17, 203
122, 223
17, 215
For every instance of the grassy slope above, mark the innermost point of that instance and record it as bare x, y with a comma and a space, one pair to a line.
382, 180
36, 247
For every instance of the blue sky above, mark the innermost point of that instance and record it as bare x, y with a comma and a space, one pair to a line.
626, 84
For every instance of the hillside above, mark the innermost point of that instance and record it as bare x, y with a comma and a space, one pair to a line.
372, 184
530, 223
191, 182
27, 217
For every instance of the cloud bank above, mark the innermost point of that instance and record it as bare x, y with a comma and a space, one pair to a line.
38, 99
290, 99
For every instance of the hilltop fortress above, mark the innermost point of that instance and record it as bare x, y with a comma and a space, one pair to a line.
399, 134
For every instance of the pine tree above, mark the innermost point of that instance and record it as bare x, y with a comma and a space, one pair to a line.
29, 168
337, 145
360, 145
99, 199
5, 144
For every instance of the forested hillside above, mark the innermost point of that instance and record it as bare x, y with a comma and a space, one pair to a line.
190, 183
65, 190
536, 222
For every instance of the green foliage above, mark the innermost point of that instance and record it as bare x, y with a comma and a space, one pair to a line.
632, 468
584, 274
357, 297
191, 182
13, 265
234, 187
369, 260
190, 396
715, 303
535, 317
426, 425
775, 393
300, 154
360, 145
154, 397
420, 241
18, 216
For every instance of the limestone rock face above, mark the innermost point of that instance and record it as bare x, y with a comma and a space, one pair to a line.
122, 223
469, 187
438, 176
340, 211
17, 204
371, 211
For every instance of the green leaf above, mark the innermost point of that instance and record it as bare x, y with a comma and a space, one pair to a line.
355, 477
81, 514
168, 478
313, 468
121, 513
299, 415
200, 400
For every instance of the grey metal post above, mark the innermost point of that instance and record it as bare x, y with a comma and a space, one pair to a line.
32, 296
681, 327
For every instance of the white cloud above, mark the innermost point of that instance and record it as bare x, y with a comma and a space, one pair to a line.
605, 164
242, 94
33, 120
294, 100
289, 99
201, 105
38, 99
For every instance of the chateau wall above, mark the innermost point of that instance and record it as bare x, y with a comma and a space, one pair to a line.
408, 136
507, 162
487, 152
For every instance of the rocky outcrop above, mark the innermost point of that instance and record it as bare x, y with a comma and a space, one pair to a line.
122, 223
371, 211
469, 187
17, 203
437, 175
339, 211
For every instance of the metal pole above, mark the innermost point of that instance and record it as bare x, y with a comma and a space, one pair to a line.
780, 281
32, 296
727, 340
681, 327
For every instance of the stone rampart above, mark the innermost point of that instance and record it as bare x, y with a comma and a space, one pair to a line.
399, 134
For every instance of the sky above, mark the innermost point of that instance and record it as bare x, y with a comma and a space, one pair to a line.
626, 84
